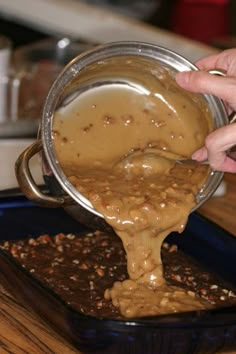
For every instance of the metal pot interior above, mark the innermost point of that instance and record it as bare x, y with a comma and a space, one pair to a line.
90, 69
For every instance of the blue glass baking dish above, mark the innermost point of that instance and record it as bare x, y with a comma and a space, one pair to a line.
208, 331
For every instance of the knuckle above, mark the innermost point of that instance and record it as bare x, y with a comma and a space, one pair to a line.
194, 77
209, 142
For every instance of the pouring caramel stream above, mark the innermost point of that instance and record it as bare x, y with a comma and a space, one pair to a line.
117, 144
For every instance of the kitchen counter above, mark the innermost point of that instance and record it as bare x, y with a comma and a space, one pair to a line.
23, 332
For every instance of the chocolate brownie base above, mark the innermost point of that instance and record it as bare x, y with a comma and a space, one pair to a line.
79, 268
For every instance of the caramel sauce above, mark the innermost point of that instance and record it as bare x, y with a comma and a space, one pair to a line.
117, 144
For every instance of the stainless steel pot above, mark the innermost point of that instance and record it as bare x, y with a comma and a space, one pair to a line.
82, 73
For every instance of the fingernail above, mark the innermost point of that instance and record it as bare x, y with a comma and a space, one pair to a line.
196, 155
182, 78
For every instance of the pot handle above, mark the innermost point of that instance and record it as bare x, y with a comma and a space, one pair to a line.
27, 183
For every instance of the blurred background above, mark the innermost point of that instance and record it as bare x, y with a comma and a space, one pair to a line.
207, 21
38, 37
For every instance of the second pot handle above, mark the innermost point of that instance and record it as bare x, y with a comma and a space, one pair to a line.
27, 183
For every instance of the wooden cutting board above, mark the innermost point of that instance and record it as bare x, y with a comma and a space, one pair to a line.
221, 210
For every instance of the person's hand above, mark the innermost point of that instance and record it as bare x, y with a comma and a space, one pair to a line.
219, 142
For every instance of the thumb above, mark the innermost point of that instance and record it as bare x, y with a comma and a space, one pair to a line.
203, 82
